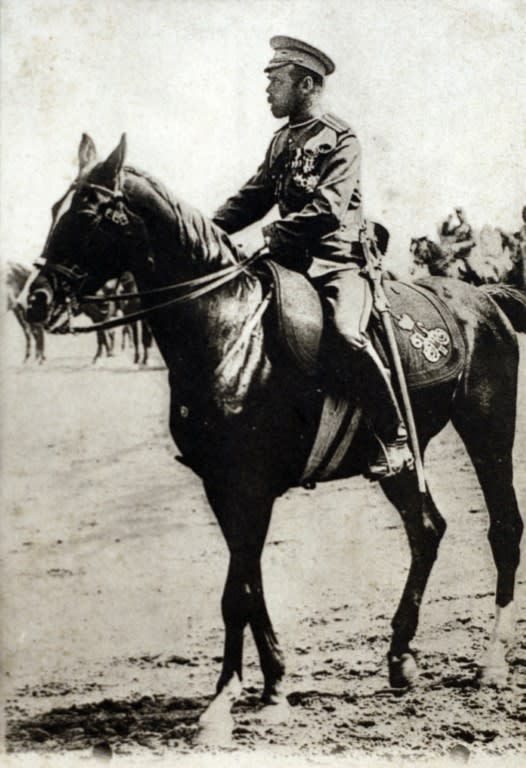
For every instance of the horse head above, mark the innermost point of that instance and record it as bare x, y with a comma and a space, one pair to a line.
85, 246
420, 250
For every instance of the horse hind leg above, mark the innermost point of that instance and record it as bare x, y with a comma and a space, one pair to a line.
100, 346
424, 527
485, 420
135, 342
147, 339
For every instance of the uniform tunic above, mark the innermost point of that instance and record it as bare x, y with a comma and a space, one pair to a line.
311, 171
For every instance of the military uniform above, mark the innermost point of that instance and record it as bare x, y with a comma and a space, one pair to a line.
311, 171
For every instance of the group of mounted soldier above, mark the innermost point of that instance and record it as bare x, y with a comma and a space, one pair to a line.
488, 256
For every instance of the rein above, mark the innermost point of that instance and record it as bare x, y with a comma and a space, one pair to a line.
206, 283
120, 216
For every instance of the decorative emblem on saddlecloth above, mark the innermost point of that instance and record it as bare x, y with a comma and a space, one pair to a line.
433, 343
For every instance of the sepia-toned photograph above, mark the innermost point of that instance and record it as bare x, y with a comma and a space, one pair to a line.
263, 413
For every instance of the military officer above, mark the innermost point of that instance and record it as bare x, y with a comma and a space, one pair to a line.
312, 172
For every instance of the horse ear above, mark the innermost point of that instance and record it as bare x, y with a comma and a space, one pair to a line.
113, 164
87, 154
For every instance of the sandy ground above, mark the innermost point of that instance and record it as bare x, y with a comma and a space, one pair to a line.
113, 567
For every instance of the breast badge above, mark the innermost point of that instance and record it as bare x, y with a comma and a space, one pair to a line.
302, 167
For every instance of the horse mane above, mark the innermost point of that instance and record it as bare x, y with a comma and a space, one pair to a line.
205, 243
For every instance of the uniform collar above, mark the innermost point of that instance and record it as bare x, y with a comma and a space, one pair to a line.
303, 124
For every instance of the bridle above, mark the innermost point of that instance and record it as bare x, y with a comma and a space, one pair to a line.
118, 214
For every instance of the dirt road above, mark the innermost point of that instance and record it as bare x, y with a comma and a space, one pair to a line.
114, 567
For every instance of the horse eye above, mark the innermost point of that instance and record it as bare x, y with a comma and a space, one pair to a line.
87, 196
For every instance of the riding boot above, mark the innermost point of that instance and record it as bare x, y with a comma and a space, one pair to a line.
376, 394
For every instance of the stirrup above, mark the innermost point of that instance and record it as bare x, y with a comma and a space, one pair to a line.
392, 459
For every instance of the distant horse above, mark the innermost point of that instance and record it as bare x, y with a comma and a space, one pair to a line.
488, 261
429, 258
139, 330
98, 313
245, 420
16, 278
516, 247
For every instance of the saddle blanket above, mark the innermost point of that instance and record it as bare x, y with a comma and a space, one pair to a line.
429, 339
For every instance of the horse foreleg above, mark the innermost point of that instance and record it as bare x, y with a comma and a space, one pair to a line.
135, 339
19, 314
110, 341
276, 709
100, 344
38, 336
147, 339
244, 521
424, 527
216, 723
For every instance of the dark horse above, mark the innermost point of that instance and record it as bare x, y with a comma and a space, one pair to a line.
246, 423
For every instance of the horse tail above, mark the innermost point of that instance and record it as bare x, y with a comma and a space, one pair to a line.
512, 301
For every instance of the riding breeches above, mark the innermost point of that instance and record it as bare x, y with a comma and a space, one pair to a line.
348, 298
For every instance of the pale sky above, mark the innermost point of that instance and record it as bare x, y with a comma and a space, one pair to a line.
435, 90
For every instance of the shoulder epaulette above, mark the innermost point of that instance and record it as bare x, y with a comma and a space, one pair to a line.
336, 123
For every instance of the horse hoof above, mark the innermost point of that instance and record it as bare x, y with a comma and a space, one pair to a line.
494, 671
277, 713
216, 724
403, 670
214, 734
494, 677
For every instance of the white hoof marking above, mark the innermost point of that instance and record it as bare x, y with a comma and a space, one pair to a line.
216, 723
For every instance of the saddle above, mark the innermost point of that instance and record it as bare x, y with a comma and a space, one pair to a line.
429, 341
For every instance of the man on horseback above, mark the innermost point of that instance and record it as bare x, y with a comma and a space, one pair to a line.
458, 239
312, 172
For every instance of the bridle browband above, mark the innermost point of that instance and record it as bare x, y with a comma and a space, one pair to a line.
120, 215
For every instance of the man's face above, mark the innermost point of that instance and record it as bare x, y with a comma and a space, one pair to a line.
283, 95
